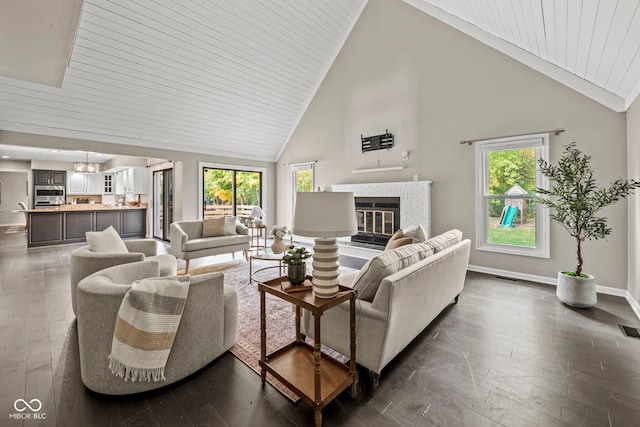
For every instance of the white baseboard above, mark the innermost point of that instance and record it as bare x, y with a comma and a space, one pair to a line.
633, 303
606, 290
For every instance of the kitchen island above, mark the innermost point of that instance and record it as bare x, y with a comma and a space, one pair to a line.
69, 223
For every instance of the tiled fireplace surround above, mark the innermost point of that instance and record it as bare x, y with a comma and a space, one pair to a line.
415, 206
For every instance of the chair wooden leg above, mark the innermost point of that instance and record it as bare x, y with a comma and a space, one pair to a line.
186, 270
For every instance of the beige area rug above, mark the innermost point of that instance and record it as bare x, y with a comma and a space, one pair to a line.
280, 315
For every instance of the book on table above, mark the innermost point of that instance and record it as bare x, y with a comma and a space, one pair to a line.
289, 287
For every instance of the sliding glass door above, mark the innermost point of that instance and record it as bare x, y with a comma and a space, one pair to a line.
162, 203
230, 192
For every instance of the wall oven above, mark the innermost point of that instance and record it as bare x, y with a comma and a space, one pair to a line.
48, 196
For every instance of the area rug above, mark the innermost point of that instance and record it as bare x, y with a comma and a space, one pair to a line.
280, 315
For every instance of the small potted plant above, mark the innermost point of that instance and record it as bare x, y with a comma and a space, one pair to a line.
576, 201
278, 232
295, 258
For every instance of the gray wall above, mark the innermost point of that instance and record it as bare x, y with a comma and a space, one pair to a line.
433, 86
633, 164
186, 170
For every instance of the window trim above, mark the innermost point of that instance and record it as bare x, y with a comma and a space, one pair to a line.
541, 143
242, 168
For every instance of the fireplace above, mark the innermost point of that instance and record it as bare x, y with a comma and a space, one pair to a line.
378, 218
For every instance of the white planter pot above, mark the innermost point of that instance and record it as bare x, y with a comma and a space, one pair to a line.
577, 291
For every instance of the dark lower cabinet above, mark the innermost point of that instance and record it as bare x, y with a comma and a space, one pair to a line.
46, 228
53, 228
77, 224
134, 223
104, 219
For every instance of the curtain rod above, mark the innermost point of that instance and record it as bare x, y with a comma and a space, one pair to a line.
310, 162
471, 141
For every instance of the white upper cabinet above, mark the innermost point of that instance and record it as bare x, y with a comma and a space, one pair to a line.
132, 181
84, 183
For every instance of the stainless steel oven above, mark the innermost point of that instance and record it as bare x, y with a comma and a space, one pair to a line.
48, 196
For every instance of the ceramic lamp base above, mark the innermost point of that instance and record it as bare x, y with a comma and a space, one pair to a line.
325, 268
257, 222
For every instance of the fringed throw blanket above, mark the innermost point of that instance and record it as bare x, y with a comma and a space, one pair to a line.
146, 327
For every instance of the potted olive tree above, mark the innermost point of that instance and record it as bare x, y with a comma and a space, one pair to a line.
577, 203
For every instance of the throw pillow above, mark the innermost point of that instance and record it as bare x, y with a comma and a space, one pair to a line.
107, 240
385, 264
445, 240
230, 225
392, 244
397, 235
416, 231
213, 227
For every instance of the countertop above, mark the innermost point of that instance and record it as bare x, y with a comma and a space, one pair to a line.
86, 207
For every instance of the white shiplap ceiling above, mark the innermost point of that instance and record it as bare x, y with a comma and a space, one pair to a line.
234, 77
222, 77
592, 46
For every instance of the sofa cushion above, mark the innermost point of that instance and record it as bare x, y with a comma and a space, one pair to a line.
416, 231
213, 227
444, 240
214, 242
383, 265
230, 225
107, 240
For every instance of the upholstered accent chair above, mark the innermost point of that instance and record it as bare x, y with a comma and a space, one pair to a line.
84, 261
207, 328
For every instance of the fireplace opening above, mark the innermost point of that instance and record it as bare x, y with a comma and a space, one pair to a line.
378, 218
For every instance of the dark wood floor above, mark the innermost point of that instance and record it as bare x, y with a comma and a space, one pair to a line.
507, 354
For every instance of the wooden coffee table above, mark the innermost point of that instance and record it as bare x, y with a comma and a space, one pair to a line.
314, 376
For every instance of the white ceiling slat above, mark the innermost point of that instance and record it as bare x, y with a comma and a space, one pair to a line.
549, 28
620, 28
588, 16
521, 25
537, 17
574, 18
530, 26
561, 29
601, 29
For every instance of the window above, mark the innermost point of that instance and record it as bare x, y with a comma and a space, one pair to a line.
508, 220
230, 191
302, 179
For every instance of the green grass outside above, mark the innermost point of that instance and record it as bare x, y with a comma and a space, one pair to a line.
524, 236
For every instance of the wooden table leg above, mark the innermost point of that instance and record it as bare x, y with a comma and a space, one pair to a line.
352, 362
316, 362
317, 418
298, 336
263, 336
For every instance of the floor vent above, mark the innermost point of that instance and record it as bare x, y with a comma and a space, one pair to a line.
629, 331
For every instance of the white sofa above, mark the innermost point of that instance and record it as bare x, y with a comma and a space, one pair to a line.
187, 242
400, 292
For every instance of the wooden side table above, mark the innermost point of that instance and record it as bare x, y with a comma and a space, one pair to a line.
314, 376
255, 232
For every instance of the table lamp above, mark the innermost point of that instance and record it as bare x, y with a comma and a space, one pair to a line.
257, 215
325, 216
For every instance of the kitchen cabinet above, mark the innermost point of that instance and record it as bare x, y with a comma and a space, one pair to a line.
49, 177
84, 183
107, 184
56, 226
132, 181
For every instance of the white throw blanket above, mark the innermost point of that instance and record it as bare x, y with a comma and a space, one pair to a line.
146, 327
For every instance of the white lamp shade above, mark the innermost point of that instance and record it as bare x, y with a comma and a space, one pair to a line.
325, 214
256, 212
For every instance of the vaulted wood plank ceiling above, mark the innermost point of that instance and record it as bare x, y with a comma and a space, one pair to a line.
235, 77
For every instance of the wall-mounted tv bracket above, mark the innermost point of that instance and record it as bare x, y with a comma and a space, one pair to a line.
377, 142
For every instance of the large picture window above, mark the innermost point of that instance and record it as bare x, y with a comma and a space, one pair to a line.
230, 192
508, 219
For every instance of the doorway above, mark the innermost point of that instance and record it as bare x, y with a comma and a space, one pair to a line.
162, 203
